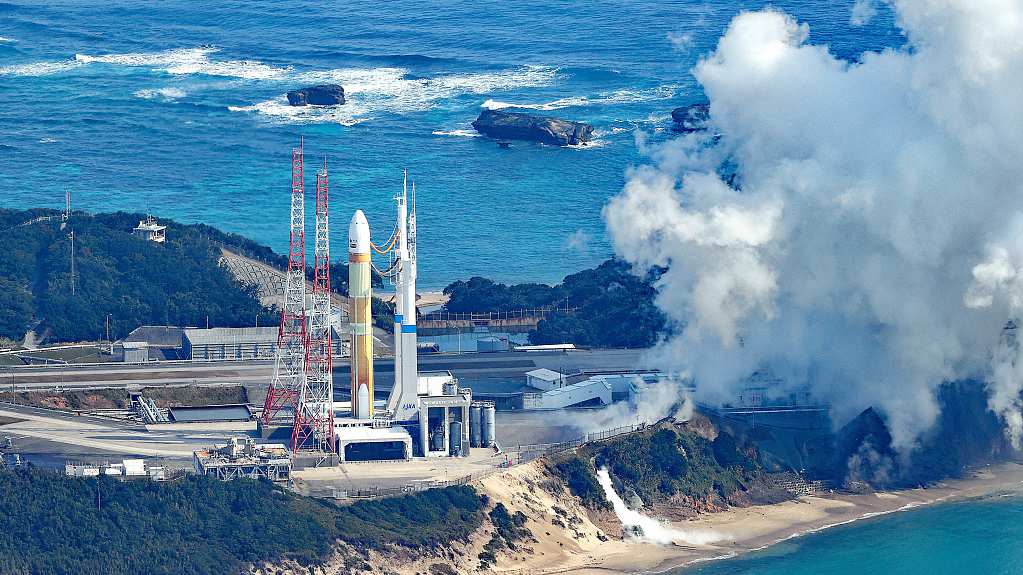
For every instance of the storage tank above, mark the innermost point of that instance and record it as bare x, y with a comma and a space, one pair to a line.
451, 388
489, 426
475, 413
437, 438
455, 439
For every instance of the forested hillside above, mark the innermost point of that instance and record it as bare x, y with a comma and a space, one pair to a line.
613, 306
135, 281
52, 524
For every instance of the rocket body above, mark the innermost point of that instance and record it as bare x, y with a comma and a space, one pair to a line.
360, 294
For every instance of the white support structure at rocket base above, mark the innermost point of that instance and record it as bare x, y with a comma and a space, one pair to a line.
432, 402
402, 402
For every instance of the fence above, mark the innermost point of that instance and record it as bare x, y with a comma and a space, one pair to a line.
537, 450
495, 315
525, 453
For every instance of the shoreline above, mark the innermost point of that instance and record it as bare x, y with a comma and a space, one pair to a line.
760, 527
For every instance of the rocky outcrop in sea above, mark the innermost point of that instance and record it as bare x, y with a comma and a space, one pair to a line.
322, 95
541, 129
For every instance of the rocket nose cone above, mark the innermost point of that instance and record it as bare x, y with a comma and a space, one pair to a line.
358, 234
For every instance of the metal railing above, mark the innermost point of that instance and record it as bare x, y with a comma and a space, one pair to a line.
534, 313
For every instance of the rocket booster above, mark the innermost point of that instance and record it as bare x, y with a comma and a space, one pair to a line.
360, 293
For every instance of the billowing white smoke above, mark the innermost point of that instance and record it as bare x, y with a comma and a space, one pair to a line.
647, 528
875, 249
650, 403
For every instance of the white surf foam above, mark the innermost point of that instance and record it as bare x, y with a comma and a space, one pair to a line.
182, 61
647, 528
166, 94
604, 99
39, 68
373, 91
280, 112
6, 40
460, 133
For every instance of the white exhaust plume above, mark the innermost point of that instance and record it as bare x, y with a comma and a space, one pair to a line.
875, 249
646, 528
650, 403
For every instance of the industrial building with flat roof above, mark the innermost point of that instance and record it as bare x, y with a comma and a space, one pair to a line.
229, 343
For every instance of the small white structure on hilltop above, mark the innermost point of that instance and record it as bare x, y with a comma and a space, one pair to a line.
151, 230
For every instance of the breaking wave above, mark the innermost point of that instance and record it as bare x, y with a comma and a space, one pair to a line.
278, 111
461, 133
372, 91
39, 68
191, 61
609, 98
166, 94
4, 40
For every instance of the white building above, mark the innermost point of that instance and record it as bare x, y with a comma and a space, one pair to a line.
150, 230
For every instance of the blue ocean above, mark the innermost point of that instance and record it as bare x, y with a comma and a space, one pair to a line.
980, 536
177, 108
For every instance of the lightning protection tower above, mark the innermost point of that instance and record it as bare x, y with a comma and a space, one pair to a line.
314, 419
289, 362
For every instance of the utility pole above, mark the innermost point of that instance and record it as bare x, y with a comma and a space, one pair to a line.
72, 235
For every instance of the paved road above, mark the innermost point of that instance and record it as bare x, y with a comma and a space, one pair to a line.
98, 435
507, 365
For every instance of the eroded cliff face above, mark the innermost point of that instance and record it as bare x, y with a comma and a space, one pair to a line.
859, 454
966, 435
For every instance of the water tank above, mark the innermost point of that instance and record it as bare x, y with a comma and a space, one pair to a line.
489, 426
437, 438
451, 388
455, 439
475, 413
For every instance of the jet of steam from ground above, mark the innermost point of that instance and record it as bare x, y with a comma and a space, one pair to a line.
646, 528
875, 249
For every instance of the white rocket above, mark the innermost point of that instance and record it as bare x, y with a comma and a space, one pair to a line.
402, 401
360, 292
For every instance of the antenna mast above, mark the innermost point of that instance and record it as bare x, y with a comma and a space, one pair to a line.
289, 362
314, 419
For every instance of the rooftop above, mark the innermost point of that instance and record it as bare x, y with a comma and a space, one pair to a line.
236, 412
546, 374
218, 335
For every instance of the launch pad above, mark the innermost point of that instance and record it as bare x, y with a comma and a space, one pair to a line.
426, 414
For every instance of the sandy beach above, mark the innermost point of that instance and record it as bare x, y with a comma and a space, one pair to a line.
758, 527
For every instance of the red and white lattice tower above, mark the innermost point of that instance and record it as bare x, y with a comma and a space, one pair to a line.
314, 419
289, 365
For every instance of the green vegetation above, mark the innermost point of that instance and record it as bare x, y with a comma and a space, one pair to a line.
509, 529
661, 463
579, 477
50, 524
132, 280
422, 520
606, 299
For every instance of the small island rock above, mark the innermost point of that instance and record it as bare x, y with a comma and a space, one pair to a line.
542, 129
323, 95
692, 118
